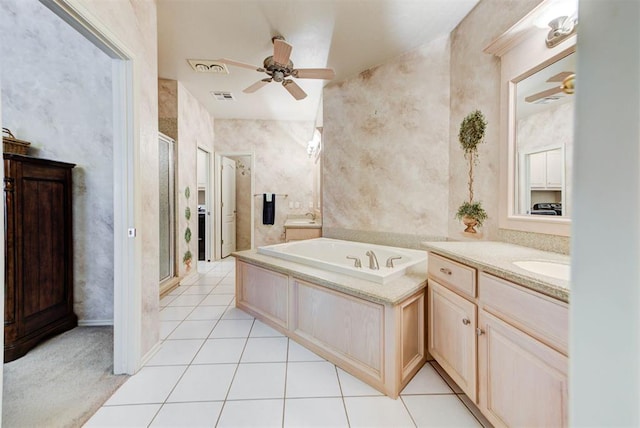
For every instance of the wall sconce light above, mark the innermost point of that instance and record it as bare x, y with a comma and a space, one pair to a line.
313, 146
561, 28
561, 16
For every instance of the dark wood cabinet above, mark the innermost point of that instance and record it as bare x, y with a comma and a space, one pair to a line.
38, 252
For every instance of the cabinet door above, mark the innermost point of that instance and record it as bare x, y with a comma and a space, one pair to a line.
452, 338
555, 169
538, 170
523, 383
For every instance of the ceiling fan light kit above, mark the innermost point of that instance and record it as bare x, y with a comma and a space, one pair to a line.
280, 69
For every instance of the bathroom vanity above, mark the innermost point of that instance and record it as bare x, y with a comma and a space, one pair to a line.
499, 327
374, 331
298, 229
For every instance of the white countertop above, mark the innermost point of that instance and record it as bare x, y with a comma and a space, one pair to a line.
497, 258
302, 223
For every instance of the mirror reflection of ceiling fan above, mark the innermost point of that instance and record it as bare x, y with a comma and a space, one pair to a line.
280, 69
567, 86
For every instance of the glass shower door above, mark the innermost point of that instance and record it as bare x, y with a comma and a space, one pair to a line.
167, 208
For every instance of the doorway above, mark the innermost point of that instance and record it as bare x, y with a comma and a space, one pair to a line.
203, 166
126, 296
234, 203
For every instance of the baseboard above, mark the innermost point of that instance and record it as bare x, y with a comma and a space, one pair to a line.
150, 354
94, 323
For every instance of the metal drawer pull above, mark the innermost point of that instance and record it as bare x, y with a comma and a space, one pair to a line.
479, 331
445, 271
466, 321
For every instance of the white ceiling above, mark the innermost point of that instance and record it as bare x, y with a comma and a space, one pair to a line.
349, 36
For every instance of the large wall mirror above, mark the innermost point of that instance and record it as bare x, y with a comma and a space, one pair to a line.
536, 127
544, 141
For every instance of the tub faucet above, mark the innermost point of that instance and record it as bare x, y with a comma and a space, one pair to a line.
373, 260
390, 261
357, 263
313, 216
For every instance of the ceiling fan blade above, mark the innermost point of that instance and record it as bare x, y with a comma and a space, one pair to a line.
560, 76
239, 64
259, 84
281, 51
314, 73
543, 94
295, 90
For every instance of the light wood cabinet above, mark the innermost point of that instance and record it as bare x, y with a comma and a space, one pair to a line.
452, 336
300, 233
506, 347
523, 382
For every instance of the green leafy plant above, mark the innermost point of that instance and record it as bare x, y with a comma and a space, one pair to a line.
187, 213
473, 210
187, 257
471, 134
187, 234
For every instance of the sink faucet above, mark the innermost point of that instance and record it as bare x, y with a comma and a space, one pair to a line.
390, 261
313, 216
373, 260
356, 261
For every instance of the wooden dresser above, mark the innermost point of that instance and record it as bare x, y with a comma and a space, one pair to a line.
38, 252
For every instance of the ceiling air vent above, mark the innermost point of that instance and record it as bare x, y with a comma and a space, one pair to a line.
208, 66
223, 96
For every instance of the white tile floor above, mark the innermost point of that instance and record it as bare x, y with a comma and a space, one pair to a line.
218, 366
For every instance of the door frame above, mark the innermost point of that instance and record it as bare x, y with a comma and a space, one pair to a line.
218, 197
126, 70
208, 222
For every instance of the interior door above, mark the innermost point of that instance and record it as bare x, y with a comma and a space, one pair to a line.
228, 198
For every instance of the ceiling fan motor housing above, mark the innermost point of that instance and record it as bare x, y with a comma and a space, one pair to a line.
278, 71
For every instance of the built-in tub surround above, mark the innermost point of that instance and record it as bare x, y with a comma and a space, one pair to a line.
497, 258
374, 263
374, 332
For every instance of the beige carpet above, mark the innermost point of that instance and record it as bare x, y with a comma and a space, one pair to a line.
61, 382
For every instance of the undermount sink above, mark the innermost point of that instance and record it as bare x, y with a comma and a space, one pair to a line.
552, 269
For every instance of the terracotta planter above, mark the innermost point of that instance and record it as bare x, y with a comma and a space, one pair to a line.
470, 222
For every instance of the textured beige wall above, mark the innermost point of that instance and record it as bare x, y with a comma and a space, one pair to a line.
386, 146
475, 84
195, 128
281, 166
168, 107
134, 24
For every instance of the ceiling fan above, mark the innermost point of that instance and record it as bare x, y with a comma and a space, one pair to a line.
280, 69
567, 86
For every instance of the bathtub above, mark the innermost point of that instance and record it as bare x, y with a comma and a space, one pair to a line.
331, 255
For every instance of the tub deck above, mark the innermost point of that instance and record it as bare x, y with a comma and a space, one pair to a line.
392, 293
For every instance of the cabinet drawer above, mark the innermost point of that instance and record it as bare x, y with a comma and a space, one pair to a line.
540, 316
458, 277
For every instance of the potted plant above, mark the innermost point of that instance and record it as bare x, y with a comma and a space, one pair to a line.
471, 134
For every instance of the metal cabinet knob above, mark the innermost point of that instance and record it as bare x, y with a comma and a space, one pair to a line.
479, 331
466, 321
445, 271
